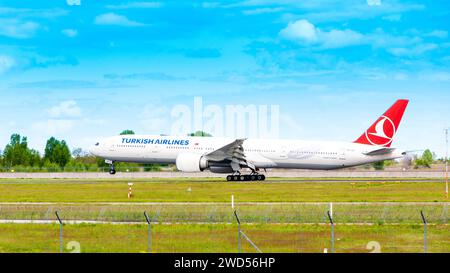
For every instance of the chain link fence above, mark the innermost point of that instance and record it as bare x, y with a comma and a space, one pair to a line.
212, 227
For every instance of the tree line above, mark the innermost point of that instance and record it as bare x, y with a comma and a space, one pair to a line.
18, 156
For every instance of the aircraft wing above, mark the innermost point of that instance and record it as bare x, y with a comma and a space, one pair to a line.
381, 151
233, 152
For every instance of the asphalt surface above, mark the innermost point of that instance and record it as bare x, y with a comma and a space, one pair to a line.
419, 174
219, 180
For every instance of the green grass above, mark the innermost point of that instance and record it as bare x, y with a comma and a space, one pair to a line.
221, 238
222, 213
30, 190
289, 226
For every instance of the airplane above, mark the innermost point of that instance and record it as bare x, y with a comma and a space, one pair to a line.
231, 156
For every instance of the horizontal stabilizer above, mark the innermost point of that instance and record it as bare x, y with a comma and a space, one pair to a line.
381, 151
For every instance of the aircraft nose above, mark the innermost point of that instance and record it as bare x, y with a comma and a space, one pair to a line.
94, 149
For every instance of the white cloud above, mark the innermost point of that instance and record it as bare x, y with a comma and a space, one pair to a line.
379, 38
412, 51
139, 5
303, 31
438, 34
341, 38
411, 45
262, 11
6, 63
436, 76
21, 13
73, 2
116, 20
374, 2
400, 76
63, 118
65, 109
17, 29
69, 32
53, 126
392, 17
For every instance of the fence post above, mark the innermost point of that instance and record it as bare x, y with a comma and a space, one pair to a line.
425, 241
239, 231
149, 223
61, 243
332, 231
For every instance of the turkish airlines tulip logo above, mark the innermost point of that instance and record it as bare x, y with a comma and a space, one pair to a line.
382, 133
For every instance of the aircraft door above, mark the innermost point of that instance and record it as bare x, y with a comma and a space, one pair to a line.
341, 154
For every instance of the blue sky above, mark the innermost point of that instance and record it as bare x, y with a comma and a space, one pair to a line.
80, 70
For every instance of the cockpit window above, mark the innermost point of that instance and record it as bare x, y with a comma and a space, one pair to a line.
96, 144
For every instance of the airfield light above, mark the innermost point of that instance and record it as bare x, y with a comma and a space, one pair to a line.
130, 193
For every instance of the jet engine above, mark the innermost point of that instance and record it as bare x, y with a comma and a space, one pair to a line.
190, 162
221, 169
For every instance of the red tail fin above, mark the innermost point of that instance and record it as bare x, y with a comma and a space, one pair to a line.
382, 132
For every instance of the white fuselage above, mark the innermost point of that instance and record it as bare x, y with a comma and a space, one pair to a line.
263, 153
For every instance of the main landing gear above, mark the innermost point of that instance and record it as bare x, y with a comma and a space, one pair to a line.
246, 177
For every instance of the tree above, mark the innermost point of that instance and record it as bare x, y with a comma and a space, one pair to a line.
78, 152
200, 133
18, 153
425, 160
127, 132
378, 165
57, 152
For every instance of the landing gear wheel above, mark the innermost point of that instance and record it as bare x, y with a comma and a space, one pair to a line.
246, 177
112, 170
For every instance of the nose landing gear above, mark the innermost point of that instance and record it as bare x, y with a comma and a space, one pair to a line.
112, 170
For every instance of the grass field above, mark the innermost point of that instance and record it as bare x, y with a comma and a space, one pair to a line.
174, 190
222, 213
194, 215
221, 238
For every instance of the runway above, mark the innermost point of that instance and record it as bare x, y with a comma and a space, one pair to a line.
206, 174
270, 180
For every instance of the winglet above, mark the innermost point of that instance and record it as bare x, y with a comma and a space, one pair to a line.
382, 132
